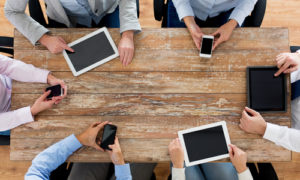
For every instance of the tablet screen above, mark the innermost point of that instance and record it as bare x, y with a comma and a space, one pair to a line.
266, 92
90, 51
205, 143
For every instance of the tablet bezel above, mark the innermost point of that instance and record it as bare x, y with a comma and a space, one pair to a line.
113, 45
248, 89
226, 135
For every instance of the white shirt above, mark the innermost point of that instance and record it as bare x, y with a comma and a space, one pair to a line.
178, 174
211, 8
288, 138
17, 70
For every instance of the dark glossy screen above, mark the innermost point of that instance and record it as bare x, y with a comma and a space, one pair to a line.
90, 51
206, 46
55, 91
108, 137
266, 91
205, 143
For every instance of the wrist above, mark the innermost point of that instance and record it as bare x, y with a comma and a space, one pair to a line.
79, 138
263, 129
178, 165
233, 23
33, 111
128, 34
43, 40
241, 169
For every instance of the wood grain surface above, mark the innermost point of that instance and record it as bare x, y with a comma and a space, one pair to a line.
167, 88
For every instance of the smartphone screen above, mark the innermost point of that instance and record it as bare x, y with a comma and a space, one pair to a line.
206, 46
55, 91
108, 137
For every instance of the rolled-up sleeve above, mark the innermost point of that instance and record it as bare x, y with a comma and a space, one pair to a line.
128, 16
183, 8
242, 10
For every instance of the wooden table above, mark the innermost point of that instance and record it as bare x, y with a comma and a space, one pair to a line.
167, 88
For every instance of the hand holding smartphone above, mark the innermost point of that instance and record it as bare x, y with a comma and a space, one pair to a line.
206, 46
56, 90
108, 137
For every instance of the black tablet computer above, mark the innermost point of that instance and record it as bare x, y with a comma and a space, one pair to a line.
205, 143
266, 93
91, 51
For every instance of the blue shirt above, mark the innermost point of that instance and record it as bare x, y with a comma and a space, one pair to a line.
203, 9
52, 157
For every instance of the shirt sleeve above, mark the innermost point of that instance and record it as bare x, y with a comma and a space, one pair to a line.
178, 173
128, 16
15, 12
242, 10
20, 71
246, 175
12, 119
283, 136
123, 172
52, 157
183, 8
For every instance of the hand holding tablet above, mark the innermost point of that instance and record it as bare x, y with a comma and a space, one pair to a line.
205, 143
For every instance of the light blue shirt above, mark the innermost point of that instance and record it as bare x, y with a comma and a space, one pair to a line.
81, 12
203, 9
52, 157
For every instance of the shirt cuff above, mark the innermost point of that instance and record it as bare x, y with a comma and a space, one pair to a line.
272, 132
41, 75
123, 171
246, 175
238, 15
298, 51
178, 173
38, 34
136, 27
24, 114
183, 9
72, 142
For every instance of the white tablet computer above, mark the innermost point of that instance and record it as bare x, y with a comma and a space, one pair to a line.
91, 51
205, 143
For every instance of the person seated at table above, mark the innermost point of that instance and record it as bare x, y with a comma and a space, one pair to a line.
52, 157
209, 171
78, 13
252, 122
224, 14
11, 69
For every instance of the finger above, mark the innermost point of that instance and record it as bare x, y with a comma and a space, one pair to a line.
280, 63
96, 146
111, 147
65, 88
125, 58
245, 115
101, 125
216, 33
121, 53
61, 39
219, 41
241, 126
280, 56
283, 68
44, 96
130, 57
251, 111
65, 46
95, 124
290, 70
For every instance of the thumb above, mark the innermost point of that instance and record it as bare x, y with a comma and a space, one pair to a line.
65, 46
44, 96
251, 111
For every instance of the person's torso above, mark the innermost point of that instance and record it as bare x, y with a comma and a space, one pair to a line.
211, 8
79, 11
5, 93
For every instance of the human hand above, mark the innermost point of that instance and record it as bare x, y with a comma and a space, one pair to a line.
42, 103
115, 154
126, 47
224, 32
88, 137
176, 153
54, 44
238, 158
51, 80
253, 123
287, 62
194, 30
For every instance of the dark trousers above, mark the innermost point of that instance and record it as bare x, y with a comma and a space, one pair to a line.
265, 171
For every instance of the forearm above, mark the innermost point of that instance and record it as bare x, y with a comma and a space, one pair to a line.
283, 136
183, 8
15, 12
242, 10
12, 119
128, 16
51, 158
21, 71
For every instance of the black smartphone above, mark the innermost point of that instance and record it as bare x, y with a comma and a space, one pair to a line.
55, 91
108, 137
